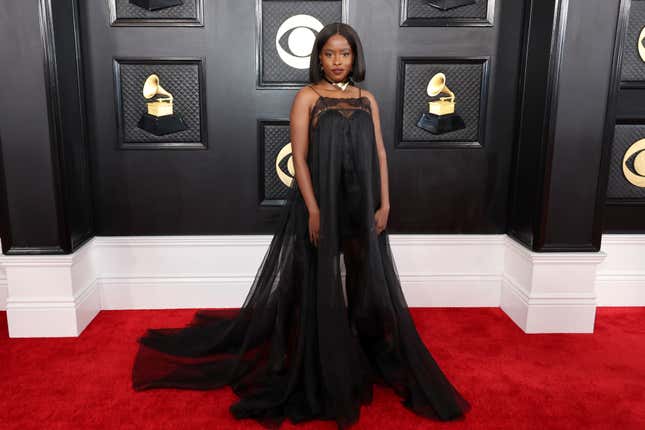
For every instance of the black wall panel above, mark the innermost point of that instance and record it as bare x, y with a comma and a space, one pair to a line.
67, 98
221, 190
625, 202
560, 168
45, 152
461, 184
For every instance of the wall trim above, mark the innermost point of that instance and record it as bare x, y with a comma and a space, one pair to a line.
166, 272
620, 280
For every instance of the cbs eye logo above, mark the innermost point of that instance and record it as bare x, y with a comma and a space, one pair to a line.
302, 31
634, 163
641, 44
284, 157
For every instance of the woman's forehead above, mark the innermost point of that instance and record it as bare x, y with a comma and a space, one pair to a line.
336, 41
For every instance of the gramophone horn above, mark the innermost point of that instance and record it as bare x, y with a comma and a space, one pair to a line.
436, 84
152, 88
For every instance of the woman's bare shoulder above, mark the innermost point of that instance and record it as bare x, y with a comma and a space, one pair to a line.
369, 95
305, 97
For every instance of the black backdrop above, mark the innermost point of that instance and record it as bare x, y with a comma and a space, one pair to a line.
537, 166
217, 190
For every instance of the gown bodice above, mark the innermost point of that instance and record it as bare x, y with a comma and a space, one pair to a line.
342, 105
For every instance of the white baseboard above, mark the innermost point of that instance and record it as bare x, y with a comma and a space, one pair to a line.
621, 289
51, 295
3, 287
3, 294
59, 295
174, 292
194, 272
551, 292
620, 279
552, 313
53, 316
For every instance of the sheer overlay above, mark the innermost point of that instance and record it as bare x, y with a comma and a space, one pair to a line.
303, 345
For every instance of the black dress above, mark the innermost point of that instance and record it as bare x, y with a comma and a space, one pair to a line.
300, 347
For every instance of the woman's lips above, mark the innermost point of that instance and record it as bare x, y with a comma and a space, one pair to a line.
337, 71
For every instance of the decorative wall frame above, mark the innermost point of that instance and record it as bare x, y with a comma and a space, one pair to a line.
275, 167
619, 189
632, 73
289, 25
466, 77
125, 13
183, 78
457, 13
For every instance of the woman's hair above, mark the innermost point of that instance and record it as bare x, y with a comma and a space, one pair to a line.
358, 66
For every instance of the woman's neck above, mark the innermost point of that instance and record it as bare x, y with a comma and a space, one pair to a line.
342, 86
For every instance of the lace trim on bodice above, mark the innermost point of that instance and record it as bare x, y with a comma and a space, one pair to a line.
344, 106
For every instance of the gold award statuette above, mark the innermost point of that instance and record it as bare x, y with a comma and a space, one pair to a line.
160, 118
441, 116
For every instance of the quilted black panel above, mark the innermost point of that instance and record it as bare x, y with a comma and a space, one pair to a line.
275, 137
181, 80
188, 10
633, 68
422, 9
274, 13
619, 187
464, 80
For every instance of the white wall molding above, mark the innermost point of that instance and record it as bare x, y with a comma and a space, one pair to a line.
53, 295
3, 291
168, 272
541, 292
621, 276
550, 292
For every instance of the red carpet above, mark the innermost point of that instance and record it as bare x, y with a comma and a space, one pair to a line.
513, 380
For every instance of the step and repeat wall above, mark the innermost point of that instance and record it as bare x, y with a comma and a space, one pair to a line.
625, 204
188, 109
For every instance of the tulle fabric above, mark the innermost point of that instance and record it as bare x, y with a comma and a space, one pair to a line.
306, 345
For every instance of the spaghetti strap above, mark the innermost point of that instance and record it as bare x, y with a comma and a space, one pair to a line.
359, 92
320, 97
314, 90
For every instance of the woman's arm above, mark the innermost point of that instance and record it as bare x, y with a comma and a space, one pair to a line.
382, 156
299, 130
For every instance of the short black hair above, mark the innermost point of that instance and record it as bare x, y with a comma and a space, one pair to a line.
345, 30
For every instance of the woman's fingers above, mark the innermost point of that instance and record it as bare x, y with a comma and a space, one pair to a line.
313, 237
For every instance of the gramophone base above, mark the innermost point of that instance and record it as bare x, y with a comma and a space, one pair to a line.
438, 124
156, 4
449, 4
161, 125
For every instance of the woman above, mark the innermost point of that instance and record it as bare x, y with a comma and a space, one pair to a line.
303, 347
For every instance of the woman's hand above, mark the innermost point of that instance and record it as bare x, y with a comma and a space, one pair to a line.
380, 219
314, 226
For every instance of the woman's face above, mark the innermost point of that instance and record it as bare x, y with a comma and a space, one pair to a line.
336, 58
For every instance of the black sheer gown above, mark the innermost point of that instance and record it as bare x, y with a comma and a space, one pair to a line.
302, 346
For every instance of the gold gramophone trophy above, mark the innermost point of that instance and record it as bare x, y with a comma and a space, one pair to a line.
441, 116
153, 5
160, 118
450, 4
